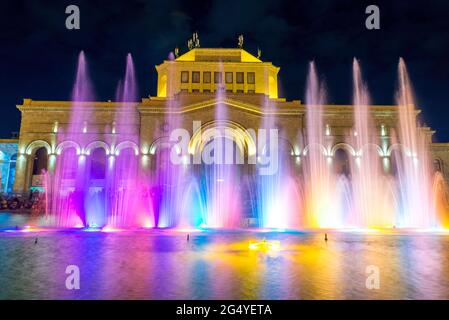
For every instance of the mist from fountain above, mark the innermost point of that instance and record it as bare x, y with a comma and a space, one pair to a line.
322, 206
373, 200
168, 180
389, 182
220, 171
278, 200
67, 185
414, 176
128, 203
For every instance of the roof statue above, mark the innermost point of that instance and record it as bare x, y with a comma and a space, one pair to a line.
240, 43
194, 42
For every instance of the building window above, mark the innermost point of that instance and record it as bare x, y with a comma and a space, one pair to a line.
251, 91
251, 78
217, 77
206, 90
228, 77
206, 77
184, 90
195, 90
239, 77
239, 91
184, 76
196, 77
229, 90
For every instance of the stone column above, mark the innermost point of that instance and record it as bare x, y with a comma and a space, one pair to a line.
20, 183
111, 191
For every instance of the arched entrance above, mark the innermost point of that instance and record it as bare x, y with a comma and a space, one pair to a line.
95, 199
98, 164
39, 161
223, 181
341, 162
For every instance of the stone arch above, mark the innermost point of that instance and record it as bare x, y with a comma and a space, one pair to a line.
97, 144
162, 142
397, 153
227, 129
368, 145
98, 163
39, 162
28, 164
284, 142
399, 147
345, 146
315, 145
125, 145
341, 161
36, 144
68, 144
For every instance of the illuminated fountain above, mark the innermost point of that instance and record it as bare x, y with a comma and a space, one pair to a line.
278, 200
220, 177
128, 202
391, 185
372, 190
168, 181
322, 208
67, 187
414, 176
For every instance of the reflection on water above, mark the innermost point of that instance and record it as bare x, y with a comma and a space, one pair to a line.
213, 265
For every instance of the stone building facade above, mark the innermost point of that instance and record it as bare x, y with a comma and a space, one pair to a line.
196, 86
8, 158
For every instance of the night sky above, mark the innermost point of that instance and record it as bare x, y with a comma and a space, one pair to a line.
38, 54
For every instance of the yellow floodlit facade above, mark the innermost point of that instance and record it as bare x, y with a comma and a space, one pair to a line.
195, 87
213, 70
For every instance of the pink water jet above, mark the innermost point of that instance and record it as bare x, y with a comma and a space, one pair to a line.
414, 176
373, 205
321, 205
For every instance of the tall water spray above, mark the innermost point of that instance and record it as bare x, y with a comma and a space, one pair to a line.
127, 197
67, 187
372, 191
389, 182
322, 201
278, 201
171, 172
412, 161
219, 177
